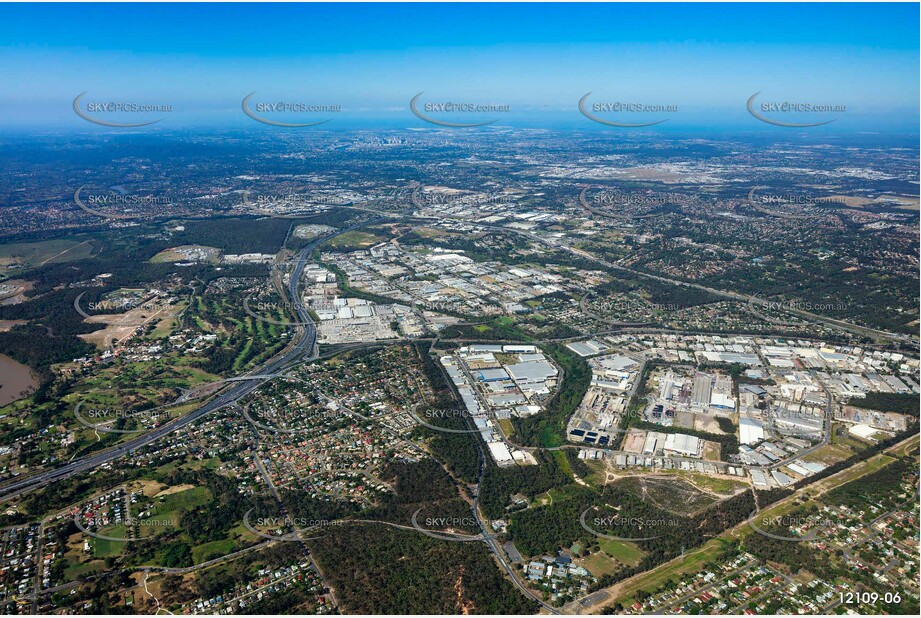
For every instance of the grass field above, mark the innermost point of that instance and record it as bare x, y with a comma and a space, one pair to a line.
353, 240
871, 465
175, 254
553, 496
430, 232
33, 254
598, 564
77, 570
598, 468
139, 387
103, 548
689, 563
830, 454
842, 438
507, 428
165, 326
243, 534
561, 460
717, 485
207, 551
628, 553
204, 464
693, 561
167, 508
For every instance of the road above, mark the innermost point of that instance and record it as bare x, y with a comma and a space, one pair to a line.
699, 591
203, 565
840, 324
617, 591
493, 544
727, 294
307, 341
304, 347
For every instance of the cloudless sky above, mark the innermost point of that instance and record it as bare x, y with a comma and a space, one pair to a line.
372, 58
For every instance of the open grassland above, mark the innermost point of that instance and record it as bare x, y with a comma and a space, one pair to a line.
623, 591
625, 552
16, 257
353, 240
671, 493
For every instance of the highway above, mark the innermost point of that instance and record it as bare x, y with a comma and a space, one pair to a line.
306, 341
727, 294
840, 324
304, 347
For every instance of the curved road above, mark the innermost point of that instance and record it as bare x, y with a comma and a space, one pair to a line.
305, 346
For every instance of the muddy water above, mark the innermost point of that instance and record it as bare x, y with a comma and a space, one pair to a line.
15, 380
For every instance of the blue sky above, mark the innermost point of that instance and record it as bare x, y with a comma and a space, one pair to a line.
371, 59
